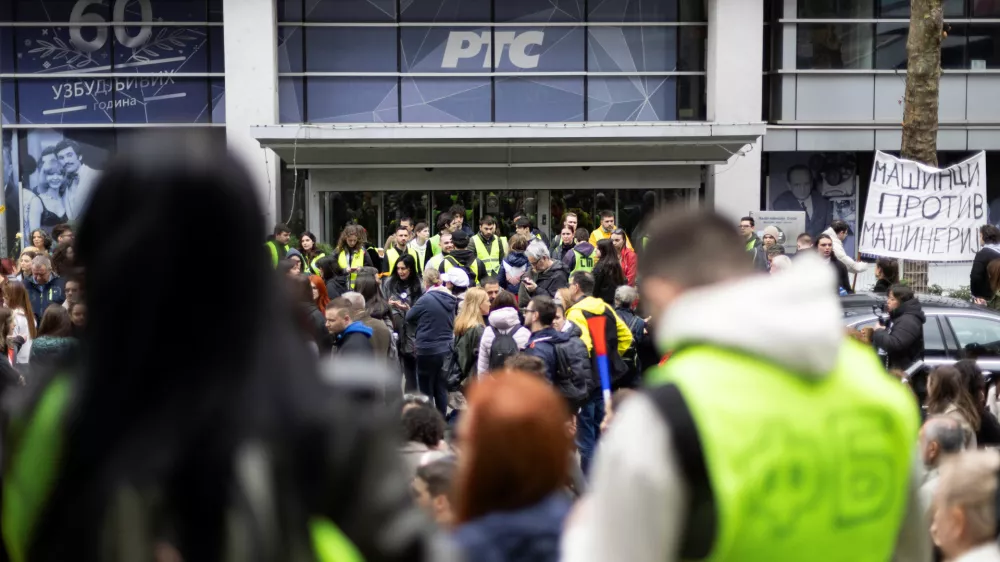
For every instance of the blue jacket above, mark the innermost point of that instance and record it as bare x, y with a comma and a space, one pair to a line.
42, 296
434, 318
355, 339
542, 345
528, 535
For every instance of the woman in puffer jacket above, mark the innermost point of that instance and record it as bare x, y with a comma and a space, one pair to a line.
503, 318
514, 265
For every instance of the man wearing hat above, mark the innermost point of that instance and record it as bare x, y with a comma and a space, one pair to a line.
464, 258
457, 281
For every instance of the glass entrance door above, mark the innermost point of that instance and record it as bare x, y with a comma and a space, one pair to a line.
337, 209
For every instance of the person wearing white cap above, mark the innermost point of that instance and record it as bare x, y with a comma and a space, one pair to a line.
457, 281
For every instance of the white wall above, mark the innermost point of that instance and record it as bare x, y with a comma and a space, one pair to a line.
252, 90
735, 84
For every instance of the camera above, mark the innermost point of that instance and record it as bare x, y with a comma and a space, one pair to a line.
880, 315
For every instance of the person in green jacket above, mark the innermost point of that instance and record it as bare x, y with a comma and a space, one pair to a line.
767, 435
236, 450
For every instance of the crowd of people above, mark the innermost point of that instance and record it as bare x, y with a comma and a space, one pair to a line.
469, 396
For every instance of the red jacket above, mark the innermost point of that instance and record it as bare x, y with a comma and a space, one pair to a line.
629, 264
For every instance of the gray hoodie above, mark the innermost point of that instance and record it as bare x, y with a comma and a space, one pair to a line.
636, 507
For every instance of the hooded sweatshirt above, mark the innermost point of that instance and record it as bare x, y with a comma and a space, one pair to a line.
903, 340
569, 258
644, 521
432, 319
469, 259
355, 339
506, 320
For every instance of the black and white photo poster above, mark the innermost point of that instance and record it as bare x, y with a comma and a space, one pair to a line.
919, 212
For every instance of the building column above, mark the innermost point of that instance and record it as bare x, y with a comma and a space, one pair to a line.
735, 63
251, 41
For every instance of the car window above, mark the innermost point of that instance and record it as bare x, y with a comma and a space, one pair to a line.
933, 341
977, 335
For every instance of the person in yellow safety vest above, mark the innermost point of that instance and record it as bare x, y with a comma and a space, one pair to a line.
490, 248
764, 443
462, 256
351, 254
606, 228
522, 225
421, 245
311, 253
584, 254
278, 245
445, 223
447, 247
405, 222
398, 249
249, 454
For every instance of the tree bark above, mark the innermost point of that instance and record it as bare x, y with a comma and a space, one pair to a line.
920, 110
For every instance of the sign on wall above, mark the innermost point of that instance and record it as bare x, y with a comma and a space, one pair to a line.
790, 225
919, 212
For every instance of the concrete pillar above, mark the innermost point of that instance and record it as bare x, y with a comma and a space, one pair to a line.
251, 40
735, 82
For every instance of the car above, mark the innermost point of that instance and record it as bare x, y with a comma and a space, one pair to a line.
955, 329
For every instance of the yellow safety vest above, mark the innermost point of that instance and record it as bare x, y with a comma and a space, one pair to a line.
800, 468
490, 256
311, 268
393, 255
450, 261
272, 246
357, 262
583, 263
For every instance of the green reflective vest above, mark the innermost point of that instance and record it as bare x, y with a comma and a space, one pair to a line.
449, 262
311, 268
434, 262
392, 255
583, 263
801, 468
357, 262
34, 448
435, 242
272, 246
491, 256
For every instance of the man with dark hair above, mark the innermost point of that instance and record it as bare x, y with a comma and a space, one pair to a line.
464, 258
582, 256
565, 357
903, 338
444, 224
838, 232
617, 338
423, 434
683, 436
753, 245
490, 247
62, 233
801, 196
399, 248
432, 488
492, 287
458, 214
523, 225
80, 178
979, 280
277, 244
606, 229
350, 336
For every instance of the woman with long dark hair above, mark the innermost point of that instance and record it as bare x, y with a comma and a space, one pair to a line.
62, 259
311, 254
608, 272
55, 347
401, 289
948, 395
886, 274
311, 321
164, 455
41, 241
333, 275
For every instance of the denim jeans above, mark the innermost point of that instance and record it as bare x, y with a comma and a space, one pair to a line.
588, 429
431, 379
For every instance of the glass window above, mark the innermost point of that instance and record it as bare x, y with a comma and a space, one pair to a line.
352, 99
290, 10
400, 204
447, 100
541, 99
162, 49
65, 101
891, 46
834, 46
586, 205
291, 100
539, 11
984, 46
634, 206
505, 204
632, 98
180, 100
691, 48
933, 340
60, 11
359, 11
350, 49
7, 93
7, 49
445, 49
539, 49
691, 98
339, 208
650, 11
48, 50
985, 9
977, 335
632, 49
290, 51
218, 102
836, 9
901, 8
444, 11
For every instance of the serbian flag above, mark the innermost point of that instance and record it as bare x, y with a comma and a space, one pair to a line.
597, 325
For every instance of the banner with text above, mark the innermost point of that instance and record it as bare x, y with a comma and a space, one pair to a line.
919, 212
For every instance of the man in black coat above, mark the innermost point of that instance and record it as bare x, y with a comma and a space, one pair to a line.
979, 280
903, 338
547, 275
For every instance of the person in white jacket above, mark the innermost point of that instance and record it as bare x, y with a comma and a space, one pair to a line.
838, 233
503, 318
637, 508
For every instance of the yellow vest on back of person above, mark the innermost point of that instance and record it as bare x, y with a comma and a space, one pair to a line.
801, 468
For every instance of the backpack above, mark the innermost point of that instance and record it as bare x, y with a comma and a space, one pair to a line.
574, 376
631, 355
504, 346
473, 277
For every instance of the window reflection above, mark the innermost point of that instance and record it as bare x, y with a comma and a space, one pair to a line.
834, 46
984, 46
836, 9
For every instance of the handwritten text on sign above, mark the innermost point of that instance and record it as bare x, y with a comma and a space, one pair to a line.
919, 212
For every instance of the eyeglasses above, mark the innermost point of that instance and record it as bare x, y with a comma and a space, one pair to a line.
527, 310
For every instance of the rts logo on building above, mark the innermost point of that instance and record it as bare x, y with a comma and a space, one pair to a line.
469, 44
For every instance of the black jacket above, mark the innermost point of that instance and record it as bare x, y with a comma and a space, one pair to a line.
543, 345
882, 286
979, 281
355, 340
468, 258
903, 339
843, 279
549, 281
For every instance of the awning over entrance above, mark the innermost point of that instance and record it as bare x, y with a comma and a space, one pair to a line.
499, 145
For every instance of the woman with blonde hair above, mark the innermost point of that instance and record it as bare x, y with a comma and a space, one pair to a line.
510, 502
469, 327
24, 264
15, 297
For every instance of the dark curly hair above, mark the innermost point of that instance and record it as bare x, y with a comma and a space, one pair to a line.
423, 424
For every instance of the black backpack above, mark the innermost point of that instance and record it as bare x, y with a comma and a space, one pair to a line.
575, 373
504, 346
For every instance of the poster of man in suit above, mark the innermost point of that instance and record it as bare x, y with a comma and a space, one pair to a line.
823, 185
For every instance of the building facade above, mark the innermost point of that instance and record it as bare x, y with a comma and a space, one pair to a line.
369, 110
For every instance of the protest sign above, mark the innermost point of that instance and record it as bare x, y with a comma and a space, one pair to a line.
919, 212
789, 224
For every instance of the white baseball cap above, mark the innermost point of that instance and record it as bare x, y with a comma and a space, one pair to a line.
456, 276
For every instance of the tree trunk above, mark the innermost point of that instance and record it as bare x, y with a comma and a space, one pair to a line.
920, 110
